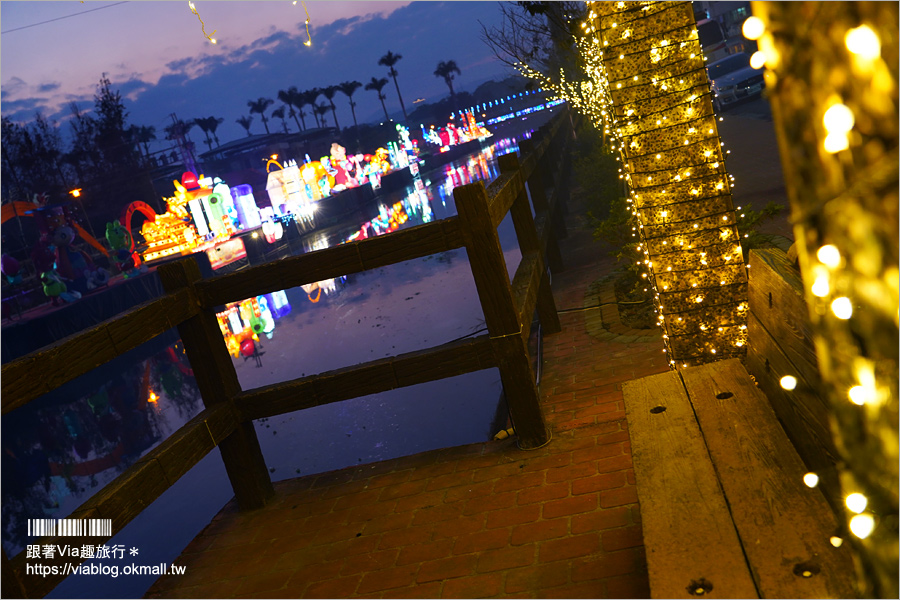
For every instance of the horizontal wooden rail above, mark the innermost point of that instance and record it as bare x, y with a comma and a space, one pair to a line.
354, 257
40, 372
131, 492
448, 360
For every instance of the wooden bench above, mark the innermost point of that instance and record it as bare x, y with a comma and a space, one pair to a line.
724, 509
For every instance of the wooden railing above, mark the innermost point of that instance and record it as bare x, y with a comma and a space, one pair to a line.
226, 422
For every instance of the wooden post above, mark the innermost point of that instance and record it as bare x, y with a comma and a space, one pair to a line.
500, 314
218, 382
539, 199
529, 242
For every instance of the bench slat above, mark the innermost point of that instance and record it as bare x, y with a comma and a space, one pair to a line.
684, 515
784, 525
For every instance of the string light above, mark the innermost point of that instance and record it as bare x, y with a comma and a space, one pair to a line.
788, 382
208, 36
308, 41
753, 28
863, 42
856, 502
811, 480
842, 308
862, 525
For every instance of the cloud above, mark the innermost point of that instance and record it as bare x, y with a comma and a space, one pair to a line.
48, 87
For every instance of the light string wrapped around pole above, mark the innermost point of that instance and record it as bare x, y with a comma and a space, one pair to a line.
658, 106
831, 72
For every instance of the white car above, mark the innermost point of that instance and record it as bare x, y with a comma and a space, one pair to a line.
732, 79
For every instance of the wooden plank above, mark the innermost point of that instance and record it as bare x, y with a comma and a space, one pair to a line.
189, 444
282, 274
689, 537
530, 243
218, 383
784, 525
802, 412
411, 368
500, 314
776, 296
407, 244
501, 193
81, 352
525, 288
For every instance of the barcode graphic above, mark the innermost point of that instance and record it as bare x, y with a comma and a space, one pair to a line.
69, 527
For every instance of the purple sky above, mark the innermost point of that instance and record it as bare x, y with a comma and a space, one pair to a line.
157, 57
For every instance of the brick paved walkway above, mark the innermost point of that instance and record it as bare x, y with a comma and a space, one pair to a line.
483, 520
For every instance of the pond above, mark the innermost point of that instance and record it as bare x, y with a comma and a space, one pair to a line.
96, 426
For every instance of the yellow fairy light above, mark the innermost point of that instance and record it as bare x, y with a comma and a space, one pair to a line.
863, 42
821, 287
842, 308
758, 59
788, 382
829, 256
811, 480
858, 395
836, 541
838, 119
753, 28
862, 525
856, 502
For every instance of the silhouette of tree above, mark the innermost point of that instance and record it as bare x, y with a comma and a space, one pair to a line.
329, 93
214, 123
278, 113
245, 123
203, 124
389, 60
348, 88
322, 110
446, 70
309, 98
291, 97
378, 85
260, 106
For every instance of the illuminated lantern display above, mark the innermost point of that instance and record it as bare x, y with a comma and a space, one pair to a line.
245, 206
200, 214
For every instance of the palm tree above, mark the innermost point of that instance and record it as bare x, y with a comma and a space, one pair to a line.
389, 60
329, 93
260, 106
322, 110
142, 135
245, 123
203, 124
278, 113
309, 98
214, 123
290, 97
349, 88
446, 70
378, 85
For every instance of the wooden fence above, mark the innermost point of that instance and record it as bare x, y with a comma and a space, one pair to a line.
226, 422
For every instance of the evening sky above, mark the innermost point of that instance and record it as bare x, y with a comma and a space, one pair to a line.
157, 57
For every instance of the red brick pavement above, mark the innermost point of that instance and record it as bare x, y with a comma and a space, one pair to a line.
483, 520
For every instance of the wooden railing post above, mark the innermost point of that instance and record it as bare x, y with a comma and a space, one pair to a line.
529, 242
539, 199
500, 314
218, 382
